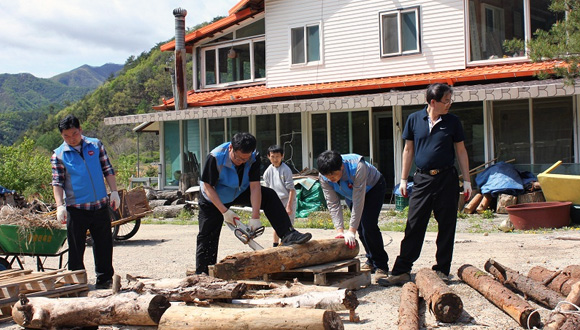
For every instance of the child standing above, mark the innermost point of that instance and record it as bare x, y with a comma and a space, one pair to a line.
278, 176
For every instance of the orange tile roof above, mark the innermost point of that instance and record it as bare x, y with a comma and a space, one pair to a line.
262, 93
241, 11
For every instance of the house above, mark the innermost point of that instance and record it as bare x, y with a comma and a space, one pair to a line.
345, 74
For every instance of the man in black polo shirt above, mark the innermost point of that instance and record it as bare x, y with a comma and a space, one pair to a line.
432, 136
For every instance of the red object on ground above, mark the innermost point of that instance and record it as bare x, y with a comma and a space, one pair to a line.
540, 215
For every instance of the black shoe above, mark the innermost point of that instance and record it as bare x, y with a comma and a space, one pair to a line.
104, 285
294, 237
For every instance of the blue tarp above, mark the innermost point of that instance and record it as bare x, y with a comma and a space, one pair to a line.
6, 191
503, 178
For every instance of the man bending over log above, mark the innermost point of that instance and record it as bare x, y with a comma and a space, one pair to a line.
231, 176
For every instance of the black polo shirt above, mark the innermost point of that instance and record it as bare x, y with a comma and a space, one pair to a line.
435, 149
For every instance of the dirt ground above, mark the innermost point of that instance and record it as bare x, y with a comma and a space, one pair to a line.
167, 251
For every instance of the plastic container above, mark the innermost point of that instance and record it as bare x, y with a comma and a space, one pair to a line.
575, 214
540, 215
401, 202
31, 240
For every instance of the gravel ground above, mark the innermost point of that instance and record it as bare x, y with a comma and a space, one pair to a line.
167, 251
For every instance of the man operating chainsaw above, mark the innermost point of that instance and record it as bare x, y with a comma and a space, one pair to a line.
231, 176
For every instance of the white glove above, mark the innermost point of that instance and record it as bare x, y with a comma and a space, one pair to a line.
61, 213
231, 217
255, 224
467, 190
114, 200
403, 187
350, 239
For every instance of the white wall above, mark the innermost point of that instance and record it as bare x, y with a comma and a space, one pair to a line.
351, 39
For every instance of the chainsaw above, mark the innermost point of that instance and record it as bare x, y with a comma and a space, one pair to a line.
245, 234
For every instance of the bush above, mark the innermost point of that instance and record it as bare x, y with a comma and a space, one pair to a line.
26, 169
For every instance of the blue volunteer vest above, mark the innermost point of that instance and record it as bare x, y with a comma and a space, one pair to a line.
344, 187
228, 187
83, 177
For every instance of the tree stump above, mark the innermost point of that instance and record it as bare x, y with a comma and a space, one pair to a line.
442, 301
503, 201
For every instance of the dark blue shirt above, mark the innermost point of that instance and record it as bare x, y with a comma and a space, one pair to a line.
435, 149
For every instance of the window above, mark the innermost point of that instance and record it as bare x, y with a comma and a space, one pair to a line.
400, 32
237, 57
493, 23
305, 44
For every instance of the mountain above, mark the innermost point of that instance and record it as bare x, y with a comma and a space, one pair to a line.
88, 76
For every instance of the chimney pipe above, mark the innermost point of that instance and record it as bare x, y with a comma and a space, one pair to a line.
180, 96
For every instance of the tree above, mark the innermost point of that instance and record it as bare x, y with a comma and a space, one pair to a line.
561, 42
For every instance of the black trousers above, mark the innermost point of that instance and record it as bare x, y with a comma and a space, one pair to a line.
98, 223
368, 229
438, 193
211, 221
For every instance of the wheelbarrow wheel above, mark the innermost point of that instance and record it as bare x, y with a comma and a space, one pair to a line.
4, 264
127, 230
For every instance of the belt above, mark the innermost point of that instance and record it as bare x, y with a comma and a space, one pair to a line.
433, 171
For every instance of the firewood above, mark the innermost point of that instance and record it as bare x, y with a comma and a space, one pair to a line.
202, 318
473, 203
484, 204
442, 301
409, 307
499, 295
190, 288
558, 281
557, 320
529, 287
330, 300
274, 260
126, 308
503, 201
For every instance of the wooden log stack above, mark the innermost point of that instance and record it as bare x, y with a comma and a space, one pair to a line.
559, 281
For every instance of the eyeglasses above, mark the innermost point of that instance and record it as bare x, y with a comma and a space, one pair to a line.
240, 159
446, 103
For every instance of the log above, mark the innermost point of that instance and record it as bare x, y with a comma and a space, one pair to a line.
202, 318
409, 307
473, 203
500, 296
503, 201
441, 300
170, 195
126, 308
168, 211
557, 320
484, 204
336, 300
158, 202
189, 289
529, 287
247, 265
533, 197
558, 281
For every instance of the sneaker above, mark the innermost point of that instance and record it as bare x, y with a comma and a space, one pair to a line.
395, 280
295, 237
103, 285
381, 273
442, 276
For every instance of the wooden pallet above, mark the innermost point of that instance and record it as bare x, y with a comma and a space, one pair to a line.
58, 283
344, 274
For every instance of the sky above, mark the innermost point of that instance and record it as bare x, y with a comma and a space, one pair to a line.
49, 37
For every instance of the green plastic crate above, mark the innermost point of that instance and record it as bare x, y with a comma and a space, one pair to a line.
31, 240
401, 202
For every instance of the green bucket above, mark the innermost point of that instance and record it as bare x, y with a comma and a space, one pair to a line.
401, 202
36, 240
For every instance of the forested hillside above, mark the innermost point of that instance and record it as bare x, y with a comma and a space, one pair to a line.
88, 76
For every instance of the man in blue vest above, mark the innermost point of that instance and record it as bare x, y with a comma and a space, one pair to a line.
363, 188
231, 176
432, 136
80, 167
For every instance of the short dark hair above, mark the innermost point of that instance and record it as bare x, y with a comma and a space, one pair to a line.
275, 149
68, 122
437, 91
329, 161
244, 142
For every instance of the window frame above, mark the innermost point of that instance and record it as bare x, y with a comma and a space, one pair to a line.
399, 12
305, 45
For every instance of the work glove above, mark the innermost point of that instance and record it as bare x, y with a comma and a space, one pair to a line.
403, 187
114, 200
61, 213
231, 217
350, 239
467, 190
255, 224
